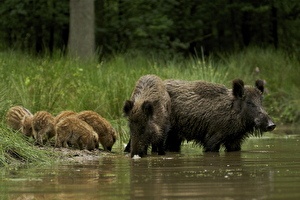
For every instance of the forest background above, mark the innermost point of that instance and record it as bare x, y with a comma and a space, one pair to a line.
165, 26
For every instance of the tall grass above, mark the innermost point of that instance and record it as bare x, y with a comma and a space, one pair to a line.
281, 74
14, 148
60, 83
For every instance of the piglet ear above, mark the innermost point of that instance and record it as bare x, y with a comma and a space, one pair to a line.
259, 84
238, 88
128, 105
148, 109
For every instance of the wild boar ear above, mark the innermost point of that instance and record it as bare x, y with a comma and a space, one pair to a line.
148, 109
259, 84
127, 107
238, 88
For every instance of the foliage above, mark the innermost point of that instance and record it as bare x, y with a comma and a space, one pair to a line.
172, 26
187, 26
34, 25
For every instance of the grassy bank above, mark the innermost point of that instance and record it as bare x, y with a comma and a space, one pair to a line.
16, 149
58, 83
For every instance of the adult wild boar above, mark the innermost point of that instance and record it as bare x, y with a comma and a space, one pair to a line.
148, 113
214, 116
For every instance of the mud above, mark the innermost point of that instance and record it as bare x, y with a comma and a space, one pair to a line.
67, 155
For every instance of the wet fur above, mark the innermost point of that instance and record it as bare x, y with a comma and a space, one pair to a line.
212, 115
148, 116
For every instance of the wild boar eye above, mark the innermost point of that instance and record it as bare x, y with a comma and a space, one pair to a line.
249, 103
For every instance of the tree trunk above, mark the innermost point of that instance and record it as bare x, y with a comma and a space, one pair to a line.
82, 29
274, 29
99, 13
246, 32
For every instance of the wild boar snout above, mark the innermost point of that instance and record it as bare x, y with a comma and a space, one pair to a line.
264, 123
271, 126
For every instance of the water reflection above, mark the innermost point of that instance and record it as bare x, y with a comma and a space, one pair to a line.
267, 168
208, 176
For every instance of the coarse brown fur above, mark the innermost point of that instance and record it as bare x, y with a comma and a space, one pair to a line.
72, 130
43, 127
106, 133
214, 116
148, 113
15, 115
64, 114
26, 128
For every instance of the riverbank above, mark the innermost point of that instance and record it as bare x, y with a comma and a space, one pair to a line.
67, 155
22, 151
17, 150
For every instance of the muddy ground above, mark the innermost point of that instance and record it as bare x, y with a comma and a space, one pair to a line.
76, 155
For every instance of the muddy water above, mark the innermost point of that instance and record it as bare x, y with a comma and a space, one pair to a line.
266, 168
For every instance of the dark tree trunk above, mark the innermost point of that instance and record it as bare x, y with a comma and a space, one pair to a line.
52, 29
38, 39
99, 20
121, 22
274, 26
192, 46
246, 32
234, 27
51, 38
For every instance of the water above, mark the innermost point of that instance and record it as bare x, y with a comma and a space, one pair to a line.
266, 168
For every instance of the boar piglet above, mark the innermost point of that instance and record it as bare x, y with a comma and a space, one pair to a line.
14, 117
106, 133
64, 114
75, 132
43, 127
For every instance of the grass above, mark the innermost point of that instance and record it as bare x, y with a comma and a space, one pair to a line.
60, 83
15, 149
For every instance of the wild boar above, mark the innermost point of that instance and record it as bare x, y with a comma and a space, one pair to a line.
106, 133
15, 115
72, 130
214, 116
148, 113
43, 127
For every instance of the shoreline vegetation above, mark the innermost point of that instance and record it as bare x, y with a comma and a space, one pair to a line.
59, 83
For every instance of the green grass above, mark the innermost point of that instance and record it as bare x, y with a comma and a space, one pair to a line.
16, 149
281, 73
61, 83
